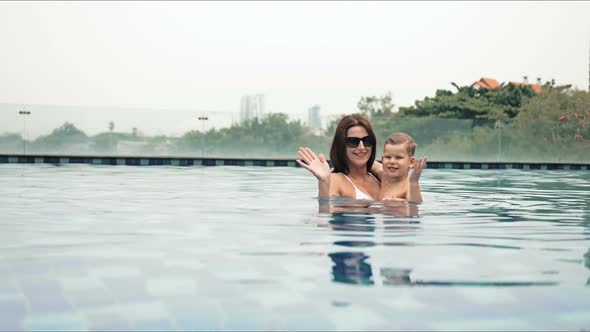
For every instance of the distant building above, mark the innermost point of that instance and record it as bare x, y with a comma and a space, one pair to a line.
252, 106
313, 117
490, 83
536, 87
486, 83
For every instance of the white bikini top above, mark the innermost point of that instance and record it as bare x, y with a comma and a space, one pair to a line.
359, 194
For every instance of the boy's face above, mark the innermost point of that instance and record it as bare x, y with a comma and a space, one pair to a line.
396, 161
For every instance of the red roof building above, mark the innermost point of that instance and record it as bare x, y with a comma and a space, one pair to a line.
490, 83
487, 83
536, 87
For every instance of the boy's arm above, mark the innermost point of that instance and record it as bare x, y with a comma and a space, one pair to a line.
414, 194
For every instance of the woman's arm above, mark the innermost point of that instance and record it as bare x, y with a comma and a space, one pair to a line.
319, 167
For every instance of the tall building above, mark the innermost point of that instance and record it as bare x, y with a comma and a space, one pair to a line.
313, 117
252, 106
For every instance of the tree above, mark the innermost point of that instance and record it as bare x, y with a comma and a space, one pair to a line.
62, 137
502, 103
373, 106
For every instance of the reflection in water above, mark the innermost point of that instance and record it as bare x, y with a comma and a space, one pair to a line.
392, 208
396, 277
367, 216
360, 222
587, 264
351, 268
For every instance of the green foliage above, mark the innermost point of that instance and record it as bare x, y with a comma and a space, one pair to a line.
107, 142
468, 103
553, 125
462, 125
374, 107
61, 139
272, 136
11, 143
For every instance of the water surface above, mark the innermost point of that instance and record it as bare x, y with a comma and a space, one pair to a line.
117, 247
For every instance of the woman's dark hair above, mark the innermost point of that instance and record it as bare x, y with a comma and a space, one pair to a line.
338, 148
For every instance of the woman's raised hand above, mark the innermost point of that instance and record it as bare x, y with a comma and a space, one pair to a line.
315, 164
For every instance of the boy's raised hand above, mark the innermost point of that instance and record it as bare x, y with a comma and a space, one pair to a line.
420, 164
315, 164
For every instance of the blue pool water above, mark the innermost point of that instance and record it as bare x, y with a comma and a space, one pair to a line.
176, 248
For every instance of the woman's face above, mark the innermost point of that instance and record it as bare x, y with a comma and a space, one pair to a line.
359, 155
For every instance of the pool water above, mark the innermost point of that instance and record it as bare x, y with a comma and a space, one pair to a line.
248, 248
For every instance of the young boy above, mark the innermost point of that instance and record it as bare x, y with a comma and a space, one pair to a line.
398, 158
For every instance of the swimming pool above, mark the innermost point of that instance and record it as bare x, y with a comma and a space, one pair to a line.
92, 247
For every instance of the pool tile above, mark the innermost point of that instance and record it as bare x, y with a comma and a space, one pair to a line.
71, 266
494, 324
12, 309
55, 322
108, 321
127, 289
354, 318
155, 161
74, 283
8, 288
307, 322
10, 324
90, 298
109, 161
242, 314
44, 296
49, 304
25, 159
132, 161
113, 271
154, 325
30, 269
233, 162
280, 163
195, 312
170, 286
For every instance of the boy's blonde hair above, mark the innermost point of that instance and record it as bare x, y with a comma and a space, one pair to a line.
402, 138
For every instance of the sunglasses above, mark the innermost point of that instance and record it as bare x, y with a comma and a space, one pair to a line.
353, 142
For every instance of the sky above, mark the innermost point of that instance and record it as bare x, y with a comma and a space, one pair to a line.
157, 66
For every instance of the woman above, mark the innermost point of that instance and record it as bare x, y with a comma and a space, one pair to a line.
352, 154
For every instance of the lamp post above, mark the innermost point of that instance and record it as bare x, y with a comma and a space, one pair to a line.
24, 114
203, 118
499, 125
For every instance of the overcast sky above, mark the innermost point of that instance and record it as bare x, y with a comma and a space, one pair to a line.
171, 60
